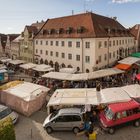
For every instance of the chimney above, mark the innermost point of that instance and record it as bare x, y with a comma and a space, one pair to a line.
115, 18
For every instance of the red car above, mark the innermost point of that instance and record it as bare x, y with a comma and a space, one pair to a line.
120, 113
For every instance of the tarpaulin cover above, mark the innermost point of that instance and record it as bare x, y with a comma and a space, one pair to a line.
25, 97
123, 66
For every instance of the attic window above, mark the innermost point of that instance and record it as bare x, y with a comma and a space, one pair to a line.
108, 30
69, 30
113, 30
59, 31
80, 29
44, 32
50, 31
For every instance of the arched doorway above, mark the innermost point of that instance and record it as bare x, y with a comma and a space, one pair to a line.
78, 69
41, 61
70, 66
36, 61
63, 65
46, 62
56, 66
87, 70
51, 63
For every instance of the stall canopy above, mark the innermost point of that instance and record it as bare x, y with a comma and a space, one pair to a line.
129, 60
16, 62
83, 76
24, 97
123, 66
5, 60
67, 70
43, 68
88, 96
28, 66
135, 55
138, 76
132, 90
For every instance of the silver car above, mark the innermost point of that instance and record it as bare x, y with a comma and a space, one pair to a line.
6, 112
64, 119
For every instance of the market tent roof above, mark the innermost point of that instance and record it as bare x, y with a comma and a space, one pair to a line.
67, 70
88, 96
132, 90
43, 68
129, 60
3, 70
26, 90
16, 62
138, 76
113, 95
104, 72
28, 65
136, 54
83, 76
73, 97
57, 75
123, 66
4, 60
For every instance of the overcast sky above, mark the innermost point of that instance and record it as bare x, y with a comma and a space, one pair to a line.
15, 14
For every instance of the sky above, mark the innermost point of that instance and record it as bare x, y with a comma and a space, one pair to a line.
16, 14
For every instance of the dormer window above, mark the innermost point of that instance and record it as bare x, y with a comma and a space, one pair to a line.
69, 30
80, 29
108, 30
59, 31
44, 32
50, 31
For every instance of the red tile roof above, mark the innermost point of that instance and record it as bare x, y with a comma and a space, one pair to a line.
94, 26
135, 30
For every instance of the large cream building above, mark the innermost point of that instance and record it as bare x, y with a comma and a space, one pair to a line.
86, 42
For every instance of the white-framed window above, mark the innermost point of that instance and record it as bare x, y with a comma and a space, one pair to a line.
77, 57
87, 44
117, 42
57, 43
51, 53
36, 42
69, 43
41, 42
77, 44
41, 52
57, 54
99, 44
69, 56
105, 44
51, 43
87, 59
109, 55
46, 52
62, 43
46, 42
113, 42
63, 55
114, 54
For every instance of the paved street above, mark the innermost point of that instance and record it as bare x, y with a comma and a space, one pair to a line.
31, 129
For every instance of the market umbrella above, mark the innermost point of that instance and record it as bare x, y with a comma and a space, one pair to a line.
138, 76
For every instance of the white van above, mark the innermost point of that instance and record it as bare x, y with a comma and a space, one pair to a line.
64, 119
6, 112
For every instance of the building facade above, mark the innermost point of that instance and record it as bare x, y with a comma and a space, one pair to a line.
86, 42
135, 30
2, 44
26, 43
8, 47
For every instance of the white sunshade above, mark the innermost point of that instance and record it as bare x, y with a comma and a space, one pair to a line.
16, 62
82, 76
73, 97
129, 60
27, 91
3, 70
4, 60
28, 66
132, 90
104, 72
43, 68
112, 95
67, 70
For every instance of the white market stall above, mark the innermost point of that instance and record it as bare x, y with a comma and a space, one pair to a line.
67, 70
5, 60
28, 66
132, 90
24, 97
129, 60
87, 96
43, 68
16, 62
83, 76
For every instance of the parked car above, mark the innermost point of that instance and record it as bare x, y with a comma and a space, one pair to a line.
6, 112
64, 119
118, 114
